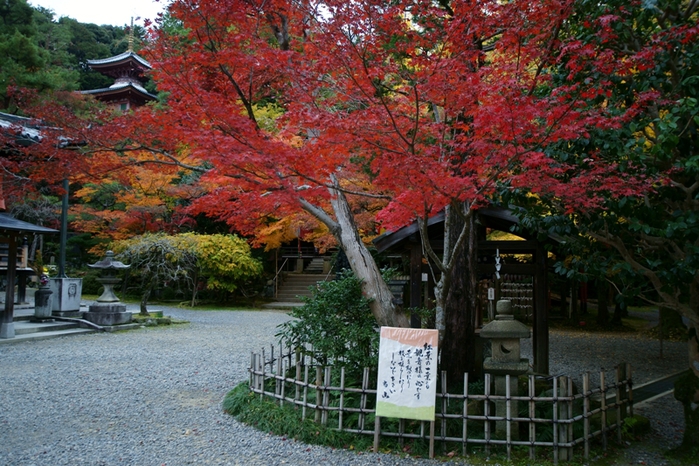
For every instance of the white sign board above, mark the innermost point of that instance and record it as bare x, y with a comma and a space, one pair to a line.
407, 384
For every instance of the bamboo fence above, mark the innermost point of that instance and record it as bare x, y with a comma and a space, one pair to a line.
549, 417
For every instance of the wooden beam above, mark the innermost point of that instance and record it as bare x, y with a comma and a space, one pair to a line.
510, 247
514, 269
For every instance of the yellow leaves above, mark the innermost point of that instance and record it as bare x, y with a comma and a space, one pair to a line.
276, 233
223, 261
86, 192
267, 115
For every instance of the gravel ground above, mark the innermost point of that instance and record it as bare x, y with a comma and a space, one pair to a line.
153, 396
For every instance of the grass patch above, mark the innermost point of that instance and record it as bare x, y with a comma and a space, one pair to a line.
286, 421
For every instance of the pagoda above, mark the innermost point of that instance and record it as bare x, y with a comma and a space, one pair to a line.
128, 71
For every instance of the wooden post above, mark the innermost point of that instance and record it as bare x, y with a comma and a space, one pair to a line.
540, 336
556, 430
486, 413
586, 413
342, 399
464, 433
603, 408
305, 392
415, 281
297, 383
377, 433
629, 385
363, 398
279, 383
445, 396
619, 411
319, 394
251, 381
283, 381
7, 325
508, 416
532, 415
326, 395
564, 384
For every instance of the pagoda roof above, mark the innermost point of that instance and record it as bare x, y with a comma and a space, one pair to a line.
122, 90
118, 60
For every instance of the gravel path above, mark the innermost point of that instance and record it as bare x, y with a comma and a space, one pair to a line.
152, 396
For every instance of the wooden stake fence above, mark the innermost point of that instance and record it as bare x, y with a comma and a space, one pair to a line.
556, 420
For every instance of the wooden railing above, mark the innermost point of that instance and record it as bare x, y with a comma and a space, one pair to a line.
549, 415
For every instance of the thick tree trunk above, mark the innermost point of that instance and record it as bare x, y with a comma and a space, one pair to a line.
362, 262
458, 346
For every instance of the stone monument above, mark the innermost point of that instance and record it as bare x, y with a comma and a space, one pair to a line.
108, 310
504, 334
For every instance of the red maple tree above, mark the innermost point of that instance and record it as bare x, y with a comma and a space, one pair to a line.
420, 106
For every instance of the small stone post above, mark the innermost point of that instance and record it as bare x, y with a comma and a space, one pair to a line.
504, 334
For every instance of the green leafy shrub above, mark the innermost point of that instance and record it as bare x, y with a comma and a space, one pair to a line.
337, 324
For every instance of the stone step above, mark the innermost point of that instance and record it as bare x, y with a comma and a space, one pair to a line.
298, 284
25, 327
289, 299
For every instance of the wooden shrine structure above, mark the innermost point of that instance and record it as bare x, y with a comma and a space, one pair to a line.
12, 233
406, 242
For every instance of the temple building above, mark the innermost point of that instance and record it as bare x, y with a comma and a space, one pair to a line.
128, 71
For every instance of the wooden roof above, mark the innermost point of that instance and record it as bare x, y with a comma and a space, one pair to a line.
495, 218
10, 225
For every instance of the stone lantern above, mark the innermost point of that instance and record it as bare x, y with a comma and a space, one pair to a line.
504, 334
108, 310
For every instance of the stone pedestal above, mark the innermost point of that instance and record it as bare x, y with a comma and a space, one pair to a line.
7, 329
107, 314
43, 303
66, 296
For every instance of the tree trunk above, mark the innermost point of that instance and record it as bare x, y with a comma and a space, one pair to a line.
602, 302
687, 391
574, 314
458, 346
195, 288
687, 387
144, 301
670, 320
619, 309
364, 266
